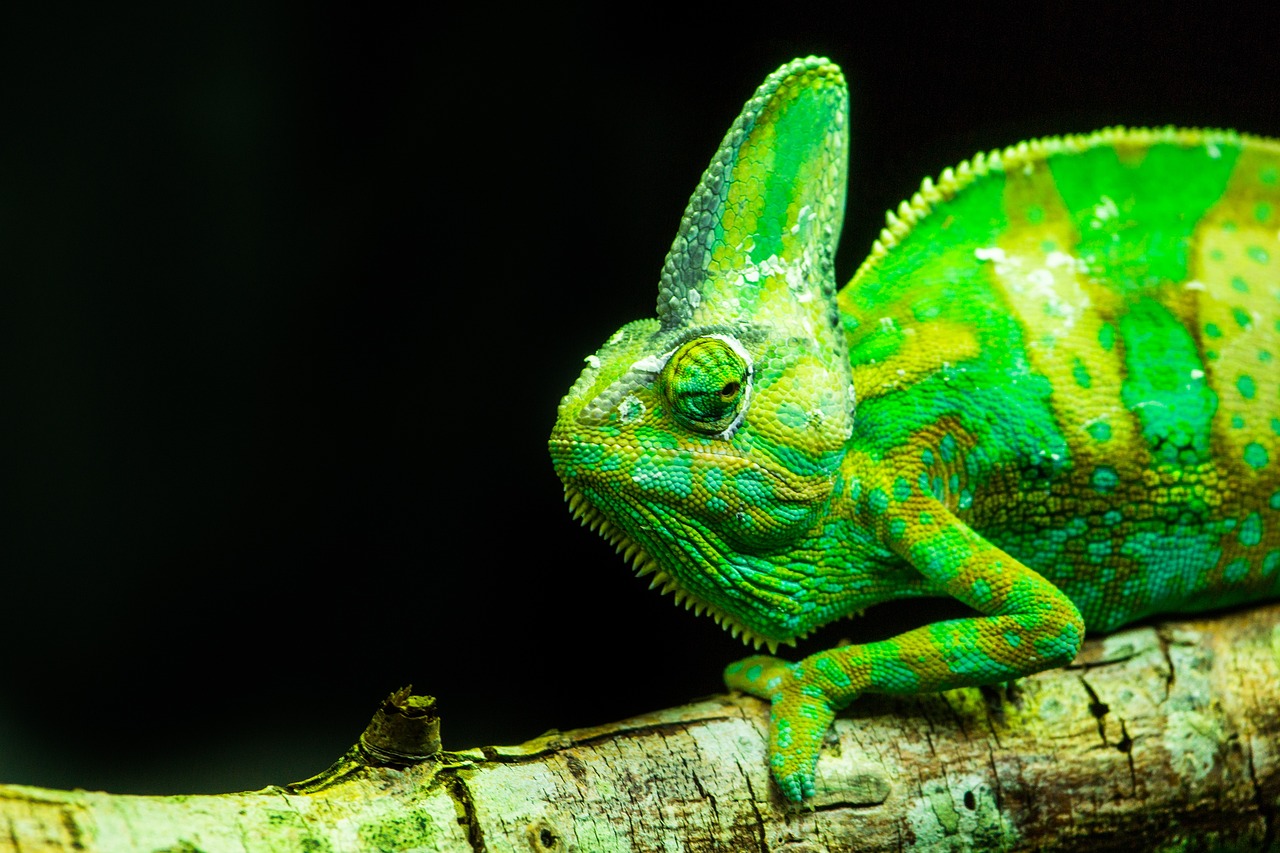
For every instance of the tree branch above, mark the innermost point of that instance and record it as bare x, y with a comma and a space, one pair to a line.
1159, 736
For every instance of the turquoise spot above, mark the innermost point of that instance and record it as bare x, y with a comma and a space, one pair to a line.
783, 730
754, 672
1239, 285
1258, 254
1262, 211
897, 527
1211, 330
1113, 517
1243, 320
942, 555
713, 480
1264, 356
1067, 641
718, 505
1012, 639
1275, 425
751, 487
926, 456
1035, 213
947, 447
792, 416
833, 672
1275, 501
981, 592
1270, 562
901, 489
1251, 531
1255, 455
671, 476
878, 500
894, 675
1107, 336
1246, 386
1236, 570
1237, 422
1105, 479
966, 499
1081, 374
1099, 430
926, 518
801, 461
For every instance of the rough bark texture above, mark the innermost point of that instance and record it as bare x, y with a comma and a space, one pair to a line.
1164, 737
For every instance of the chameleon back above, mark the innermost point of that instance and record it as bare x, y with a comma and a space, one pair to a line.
1079, 336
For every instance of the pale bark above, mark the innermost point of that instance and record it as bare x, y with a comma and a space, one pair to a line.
1164, 737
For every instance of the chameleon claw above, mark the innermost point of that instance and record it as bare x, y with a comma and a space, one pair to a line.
796, 787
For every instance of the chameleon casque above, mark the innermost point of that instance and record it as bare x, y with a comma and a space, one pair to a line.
1050, 392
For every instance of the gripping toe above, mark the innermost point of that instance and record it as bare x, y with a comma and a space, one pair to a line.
759, 675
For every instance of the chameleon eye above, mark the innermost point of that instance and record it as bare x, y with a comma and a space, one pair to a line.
707, 384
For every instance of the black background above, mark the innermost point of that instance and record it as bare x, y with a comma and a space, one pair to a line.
288, 298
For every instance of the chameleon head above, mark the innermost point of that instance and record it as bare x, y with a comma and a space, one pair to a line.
707, 442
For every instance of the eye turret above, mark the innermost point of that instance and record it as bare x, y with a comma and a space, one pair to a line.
707, 383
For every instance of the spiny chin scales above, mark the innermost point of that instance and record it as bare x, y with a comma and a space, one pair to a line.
643, 564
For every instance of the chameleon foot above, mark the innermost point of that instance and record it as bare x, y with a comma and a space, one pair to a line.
799, 720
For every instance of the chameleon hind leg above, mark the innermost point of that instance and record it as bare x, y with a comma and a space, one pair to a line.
1028, 625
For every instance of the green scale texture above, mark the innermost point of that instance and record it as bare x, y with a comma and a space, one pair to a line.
1063, 357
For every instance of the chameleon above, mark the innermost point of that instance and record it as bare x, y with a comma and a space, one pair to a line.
1049, 392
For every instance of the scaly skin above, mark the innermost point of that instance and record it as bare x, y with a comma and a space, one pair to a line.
1065, 362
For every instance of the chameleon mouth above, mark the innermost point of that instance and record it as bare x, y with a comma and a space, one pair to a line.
644, 564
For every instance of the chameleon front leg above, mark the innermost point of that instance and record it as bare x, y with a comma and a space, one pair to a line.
1028, 625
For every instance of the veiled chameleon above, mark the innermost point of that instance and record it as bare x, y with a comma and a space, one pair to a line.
1050, 392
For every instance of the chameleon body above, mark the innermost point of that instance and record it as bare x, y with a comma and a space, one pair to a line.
1050, 392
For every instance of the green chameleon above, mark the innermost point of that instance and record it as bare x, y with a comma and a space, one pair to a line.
1064, 357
